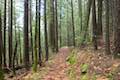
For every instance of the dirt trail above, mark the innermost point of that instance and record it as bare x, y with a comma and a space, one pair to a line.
59, 66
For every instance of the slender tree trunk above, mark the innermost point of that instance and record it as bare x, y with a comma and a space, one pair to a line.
4, 49
46, 37
56, 19
15, 32
39, 36
87, 21
10, 31
60, 23
1, 45
26, 36
107, 36
100, 17
94, 25
1, 49
20, 47
69, 30
52, 28
80, 13
117, 28
73, 26
14, 56
30, 26
36, 39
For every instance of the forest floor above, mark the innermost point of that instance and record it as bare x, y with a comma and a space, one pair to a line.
77, 64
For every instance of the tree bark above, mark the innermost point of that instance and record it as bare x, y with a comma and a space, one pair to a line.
94, 36
100, 17
107, 36
4, 49
10, 29
45, 32
73, 25
26, 36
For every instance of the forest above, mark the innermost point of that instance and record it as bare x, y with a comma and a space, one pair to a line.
59, 39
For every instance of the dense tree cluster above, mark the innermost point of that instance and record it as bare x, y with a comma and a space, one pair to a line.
53, 24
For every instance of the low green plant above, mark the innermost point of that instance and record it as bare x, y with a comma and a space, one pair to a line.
84, 77
71, 73
84, 68
72, 59
110, 76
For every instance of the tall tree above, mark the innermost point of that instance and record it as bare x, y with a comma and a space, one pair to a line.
60, 24
73, 25
39, 35
26, 36
15, 55
1, 46
46, 37
94, 35
68, 27
100, 17
30, 26
117, 28
80, 13
56, 26
89, 5
1, 49
19, 36
10, 29
107, 36
52, 25
36, 39
4, 49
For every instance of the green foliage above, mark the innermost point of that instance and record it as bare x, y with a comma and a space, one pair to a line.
85, 77
1, 74
84, 68
110, 76
72, 59
71, 73
80, 39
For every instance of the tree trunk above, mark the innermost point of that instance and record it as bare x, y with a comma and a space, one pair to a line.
30, 26
80, 13
94, 36
73, 26
26, 36
117, 29
56, 26
107, 40
60, 27
1, 49
46, 37
10, 32
1, 44
4, 49
100, 17
39, 35
36, 39
52, 28
87, 22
